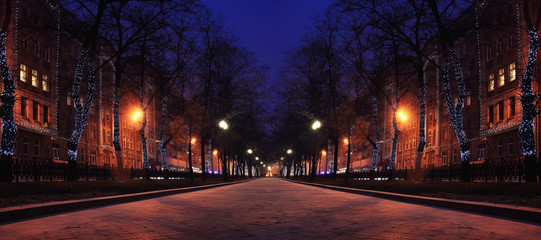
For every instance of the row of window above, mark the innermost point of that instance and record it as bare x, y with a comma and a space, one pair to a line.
44, 53
499, 46
40, 113
510, 76
42, 83
498, 110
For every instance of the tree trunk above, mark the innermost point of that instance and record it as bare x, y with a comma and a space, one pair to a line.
81, 112
203, 160
455, 113
9, 127
529, 112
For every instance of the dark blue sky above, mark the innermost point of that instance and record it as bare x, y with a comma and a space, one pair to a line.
269, 28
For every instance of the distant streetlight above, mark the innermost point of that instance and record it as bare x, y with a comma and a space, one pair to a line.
193, 140
256, 158
223, 125
136, 115
261, 163
269, 168
282, 158
249, 151
402, 115
316, 125
289, 151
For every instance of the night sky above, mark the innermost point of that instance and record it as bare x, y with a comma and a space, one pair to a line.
269, 28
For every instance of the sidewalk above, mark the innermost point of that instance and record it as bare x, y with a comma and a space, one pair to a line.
498, 210
15, 213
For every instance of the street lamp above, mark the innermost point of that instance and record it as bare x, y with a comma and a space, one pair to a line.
316, 125
402, 115
223, 125
289, 151
136, 115
249, 151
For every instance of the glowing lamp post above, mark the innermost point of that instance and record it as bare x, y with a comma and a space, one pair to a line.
224, 126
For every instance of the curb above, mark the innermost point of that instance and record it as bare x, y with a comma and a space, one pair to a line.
11, 214
532, 215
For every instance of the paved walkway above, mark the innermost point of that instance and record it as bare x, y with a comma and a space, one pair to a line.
268, 209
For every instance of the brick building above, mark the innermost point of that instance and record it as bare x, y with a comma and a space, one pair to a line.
493, 54
43, 47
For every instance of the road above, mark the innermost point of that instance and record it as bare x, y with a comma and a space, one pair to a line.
268, 208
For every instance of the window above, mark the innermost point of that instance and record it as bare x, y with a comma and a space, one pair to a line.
93, 132
46, 53
500, 148
92, 157
455, 156
24, 43
444, 158
68, 99
500, 111
510, 146
36, 148
56, 150
83, 160
490, 114
499, 47
501, 77
510, 41
481, 151
23, 106
489, 53
44, 83
444, 133
35, 110
428, 139
35, 82
491, 83
46, 114
23, 72
26, 146
36, 48
512, 72
468, 98
512, 106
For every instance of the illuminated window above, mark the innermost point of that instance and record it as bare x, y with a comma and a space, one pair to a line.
56, 150
35, 82
501, 77
491, 82
68, 99
512, 72
23, 73
468, 98
44, 83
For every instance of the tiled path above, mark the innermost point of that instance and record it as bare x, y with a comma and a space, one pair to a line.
268, 209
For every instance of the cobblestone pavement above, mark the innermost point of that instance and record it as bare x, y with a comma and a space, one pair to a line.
268, 208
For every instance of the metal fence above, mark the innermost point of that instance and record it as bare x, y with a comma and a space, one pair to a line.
25, 171
501, 171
